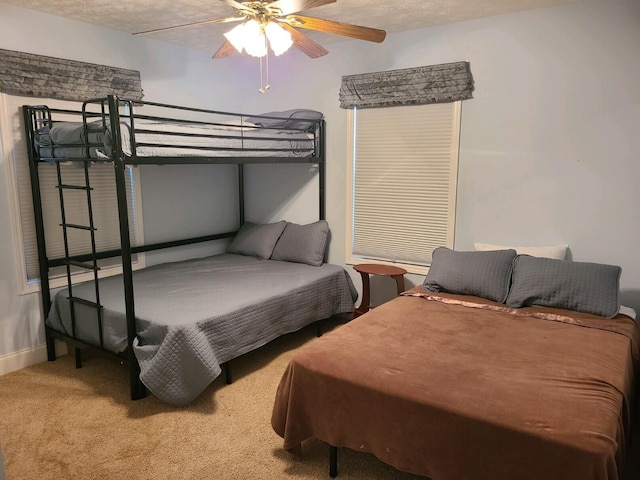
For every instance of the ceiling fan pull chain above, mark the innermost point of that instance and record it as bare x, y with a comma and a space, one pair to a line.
266, 62
261, 90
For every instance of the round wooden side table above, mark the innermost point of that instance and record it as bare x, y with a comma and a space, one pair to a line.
367, 269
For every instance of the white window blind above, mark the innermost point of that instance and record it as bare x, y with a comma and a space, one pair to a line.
103, 198
403, 182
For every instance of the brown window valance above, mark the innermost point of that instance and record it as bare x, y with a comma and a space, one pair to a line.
49, 77
447, 82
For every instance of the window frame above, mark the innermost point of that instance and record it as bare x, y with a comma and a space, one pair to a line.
8, 152
415, 268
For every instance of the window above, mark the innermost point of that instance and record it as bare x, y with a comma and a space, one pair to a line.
103, 202
402, 183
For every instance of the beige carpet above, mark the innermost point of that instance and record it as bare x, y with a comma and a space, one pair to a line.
57, 422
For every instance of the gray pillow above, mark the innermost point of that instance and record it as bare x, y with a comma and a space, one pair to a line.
296, 119
483, 274
73, 133
303, 243
578, 286
256, 240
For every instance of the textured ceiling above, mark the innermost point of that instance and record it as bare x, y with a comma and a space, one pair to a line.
390, 15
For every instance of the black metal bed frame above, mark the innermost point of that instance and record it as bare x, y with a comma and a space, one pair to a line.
109, 113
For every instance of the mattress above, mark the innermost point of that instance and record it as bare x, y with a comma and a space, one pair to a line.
194, 315
458, 387
171, 139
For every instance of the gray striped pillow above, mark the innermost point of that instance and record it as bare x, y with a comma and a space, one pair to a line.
302, 243
256, 240
483, 274
578, 286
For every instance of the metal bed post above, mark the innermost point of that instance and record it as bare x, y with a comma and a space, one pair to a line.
138, 390
322, 192
226, 366
322, 173
322, 179
43, 263
333, 461
241, 192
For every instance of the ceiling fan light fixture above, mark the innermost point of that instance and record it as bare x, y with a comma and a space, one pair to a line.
279, 39
248, 36
254, 39
236, 37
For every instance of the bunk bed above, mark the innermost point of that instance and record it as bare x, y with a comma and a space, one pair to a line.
177, 325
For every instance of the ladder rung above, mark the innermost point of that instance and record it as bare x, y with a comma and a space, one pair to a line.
74, 187
88, 266
73, 225
87, 303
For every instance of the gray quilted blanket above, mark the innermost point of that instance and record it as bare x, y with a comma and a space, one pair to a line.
194, 315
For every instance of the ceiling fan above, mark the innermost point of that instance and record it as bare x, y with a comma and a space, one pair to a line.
262, 15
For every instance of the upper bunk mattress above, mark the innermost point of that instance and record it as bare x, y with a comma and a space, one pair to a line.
194, 315
171, 139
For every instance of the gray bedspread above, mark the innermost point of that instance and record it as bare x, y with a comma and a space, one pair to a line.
194, 315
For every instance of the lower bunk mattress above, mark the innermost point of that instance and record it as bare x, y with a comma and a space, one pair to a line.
194, 315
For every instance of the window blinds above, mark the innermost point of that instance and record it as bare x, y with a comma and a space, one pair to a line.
27, 78
404, 160
404, 179
103, 199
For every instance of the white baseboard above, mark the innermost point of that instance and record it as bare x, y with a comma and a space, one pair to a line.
27, 357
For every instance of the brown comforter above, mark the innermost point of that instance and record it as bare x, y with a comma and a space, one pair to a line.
457, 387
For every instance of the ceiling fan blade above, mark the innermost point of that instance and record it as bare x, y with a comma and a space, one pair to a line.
329, 26
192, 24
304, 43
225, 50
287, 7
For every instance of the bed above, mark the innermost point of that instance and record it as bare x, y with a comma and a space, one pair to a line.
169, 321
195, 315
447, 383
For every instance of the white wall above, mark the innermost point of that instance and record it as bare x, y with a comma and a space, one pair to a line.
548, 145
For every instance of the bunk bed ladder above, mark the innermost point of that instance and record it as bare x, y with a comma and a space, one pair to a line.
91, 265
